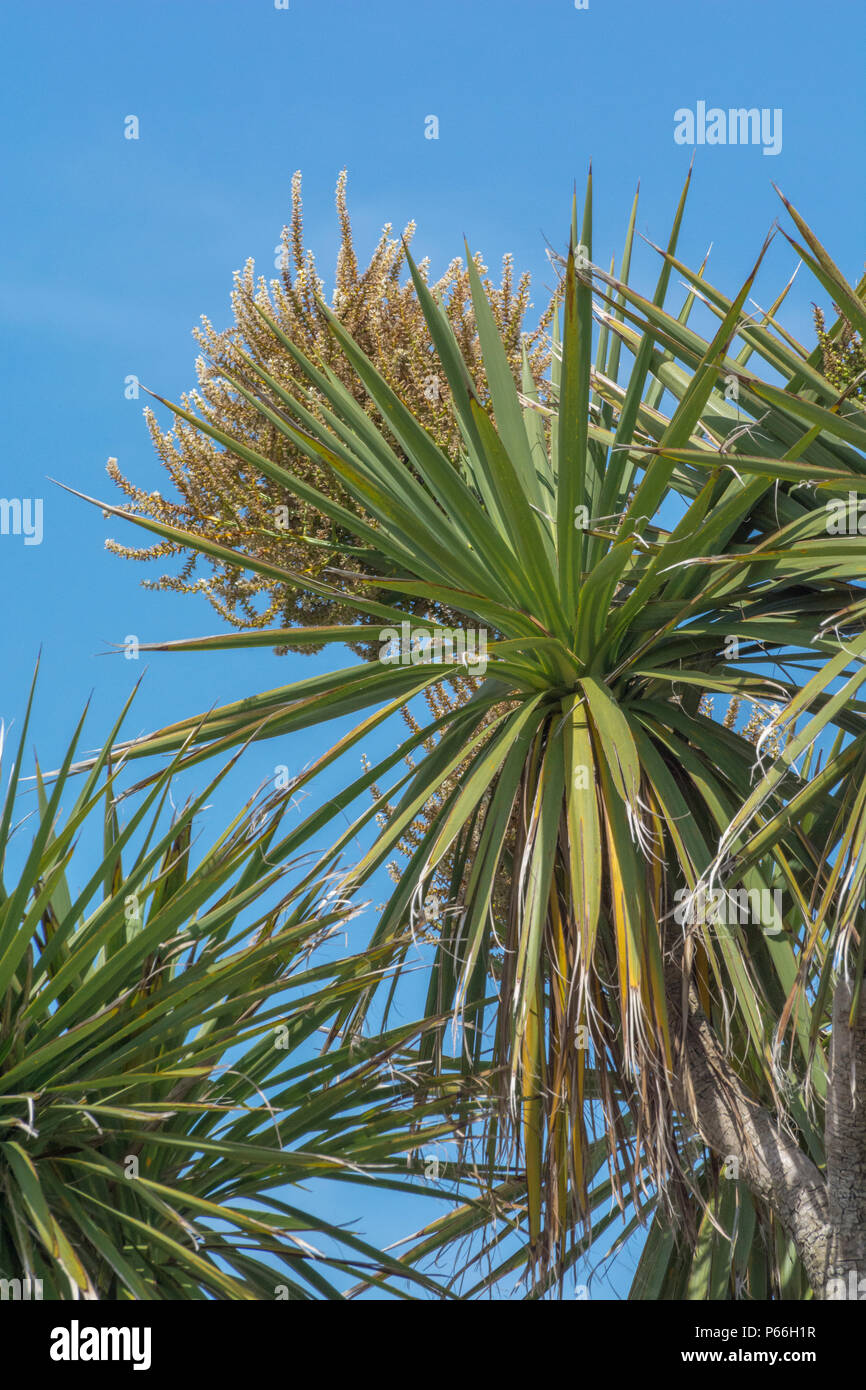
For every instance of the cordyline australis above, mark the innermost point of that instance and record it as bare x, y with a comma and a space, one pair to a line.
630, 559
161, 1104
224, 501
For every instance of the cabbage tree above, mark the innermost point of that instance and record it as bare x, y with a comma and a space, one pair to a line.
654, 922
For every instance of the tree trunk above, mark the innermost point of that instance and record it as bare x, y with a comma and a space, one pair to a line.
824, 1215
845, 1140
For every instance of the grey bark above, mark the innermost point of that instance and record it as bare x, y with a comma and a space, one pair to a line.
824, 1215
845, 1140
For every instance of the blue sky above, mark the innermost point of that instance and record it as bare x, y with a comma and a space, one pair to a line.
113, 248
